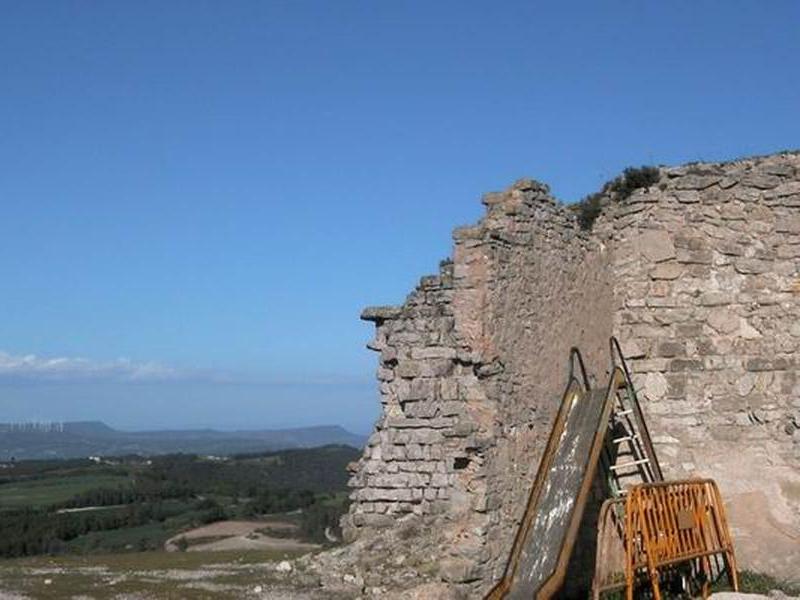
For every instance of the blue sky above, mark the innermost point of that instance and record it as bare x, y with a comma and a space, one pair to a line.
198, 198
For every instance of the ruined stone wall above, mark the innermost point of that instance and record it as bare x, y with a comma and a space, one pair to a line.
707, 268
549, 291
699, 278
472, 367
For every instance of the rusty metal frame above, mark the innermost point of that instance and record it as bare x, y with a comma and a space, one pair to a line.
668, 523
609, 566
575, 359
551, 585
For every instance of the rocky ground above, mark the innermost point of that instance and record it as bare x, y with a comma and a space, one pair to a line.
160, 575
396, 565
397, 569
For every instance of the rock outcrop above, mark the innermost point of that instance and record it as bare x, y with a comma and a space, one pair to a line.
698, 275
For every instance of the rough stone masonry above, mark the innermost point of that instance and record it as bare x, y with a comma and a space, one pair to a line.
698, 276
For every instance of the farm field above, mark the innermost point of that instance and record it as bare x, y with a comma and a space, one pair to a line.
277, 533
135, 504
44, 492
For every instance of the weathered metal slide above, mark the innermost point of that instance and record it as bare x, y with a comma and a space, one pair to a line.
537, 565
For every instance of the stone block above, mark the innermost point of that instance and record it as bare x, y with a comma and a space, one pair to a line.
440, 480
427, 467
373, 520
789, 251
689, 330
687, 196
676, 385
747, 266
651, 364
716, 298
379, 314
392, 494
685, 364
732, 212
690, 240
466, 233
385, 374
726, 433
695, 257
668, 316
761, 181
662, 301
723, 320
458, 570
426, 436
747, 331
448, 389
436, 367
789, 188
433, 352
789, 224
451, 408
408, 369
666, 270
655, 386
697, 182
422, 409
655, 246
671, 348
389, 355
469, 388
729, 248
414, 452
420, 389
631, 349
758, 364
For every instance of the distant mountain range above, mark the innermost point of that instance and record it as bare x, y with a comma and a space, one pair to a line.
94, 438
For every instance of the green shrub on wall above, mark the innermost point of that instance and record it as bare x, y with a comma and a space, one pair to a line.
632, 179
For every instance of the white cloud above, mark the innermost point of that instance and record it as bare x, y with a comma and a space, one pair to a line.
32, 367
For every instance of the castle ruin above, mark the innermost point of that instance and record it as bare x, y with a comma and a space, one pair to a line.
697, 274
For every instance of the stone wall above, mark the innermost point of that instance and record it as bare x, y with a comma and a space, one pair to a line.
697, 275
549, 290
708, 272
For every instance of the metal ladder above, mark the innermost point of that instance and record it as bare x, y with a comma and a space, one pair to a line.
628, 457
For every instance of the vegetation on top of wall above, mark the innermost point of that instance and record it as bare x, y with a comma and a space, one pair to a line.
617, 190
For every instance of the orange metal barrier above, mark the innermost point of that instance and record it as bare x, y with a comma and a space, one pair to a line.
674, 523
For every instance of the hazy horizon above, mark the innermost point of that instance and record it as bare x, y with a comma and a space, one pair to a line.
195, 405
62, 426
